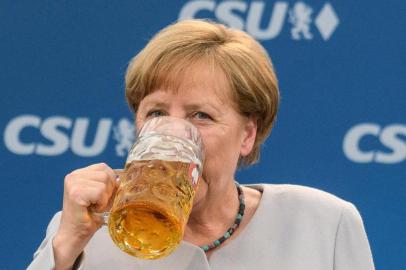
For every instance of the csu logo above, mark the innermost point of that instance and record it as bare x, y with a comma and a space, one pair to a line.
252, 17
392, 137
58, 134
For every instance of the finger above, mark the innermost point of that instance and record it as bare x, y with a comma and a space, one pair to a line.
87, 192
95, 176
93, 167
101, 167
113, 174
96, 167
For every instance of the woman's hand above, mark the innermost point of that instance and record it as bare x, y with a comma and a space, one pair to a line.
86, 190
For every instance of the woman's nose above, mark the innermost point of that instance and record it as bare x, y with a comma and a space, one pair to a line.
177, 113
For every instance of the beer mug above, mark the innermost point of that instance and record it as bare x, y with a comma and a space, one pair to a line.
156, 188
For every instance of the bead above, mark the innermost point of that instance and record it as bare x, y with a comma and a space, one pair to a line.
235, 225
242, 207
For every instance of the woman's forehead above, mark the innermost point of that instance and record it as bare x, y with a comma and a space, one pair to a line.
200, 78
188, 98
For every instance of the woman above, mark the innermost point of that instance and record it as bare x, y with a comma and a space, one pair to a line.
223, 82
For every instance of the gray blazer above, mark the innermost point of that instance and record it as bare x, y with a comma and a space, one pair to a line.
294, 227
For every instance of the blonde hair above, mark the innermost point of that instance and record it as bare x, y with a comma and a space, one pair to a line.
245, 63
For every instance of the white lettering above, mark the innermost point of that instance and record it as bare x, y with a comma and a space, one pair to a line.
189, 10
55, 131
224, 13
275, 23
352, 140
387, 136
60, 141
79, 135
228, 12
248, 15
12, 134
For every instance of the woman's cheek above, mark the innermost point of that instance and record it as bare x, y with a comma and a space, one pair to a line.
208, 137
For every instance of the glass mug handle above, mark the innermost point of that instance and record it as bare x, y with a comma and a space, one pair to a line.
105, 215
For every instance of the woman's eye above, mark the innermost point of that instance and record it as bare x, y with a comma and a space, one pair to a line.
155, 114
202, 116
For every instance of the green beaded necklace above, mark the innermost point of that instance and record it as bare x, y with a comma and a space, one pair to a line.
234, 227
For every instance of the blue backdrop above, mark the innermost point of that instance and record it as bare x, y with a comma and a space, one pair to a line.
341, 126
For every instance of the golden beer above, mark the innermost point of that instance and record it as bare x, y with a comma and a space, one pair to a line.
151, 207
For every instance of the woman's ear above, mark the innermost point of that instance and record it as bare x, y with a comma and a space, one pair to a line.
248, 136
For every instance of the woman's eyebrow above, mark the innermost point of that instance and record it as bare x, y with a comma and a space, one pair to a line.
201, 106
159, 104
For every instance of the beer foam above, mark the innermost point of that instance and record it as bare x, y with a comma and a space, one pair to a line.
155, 146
